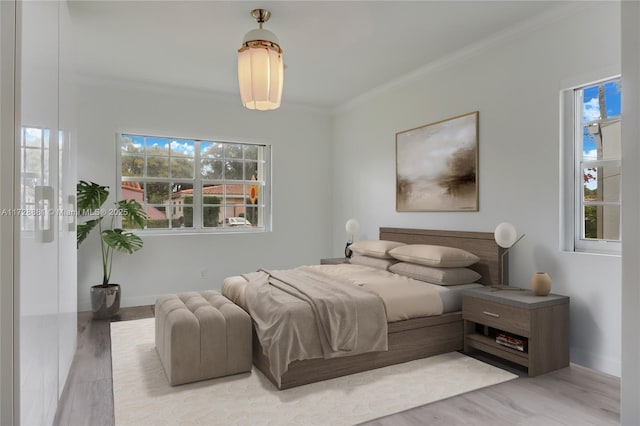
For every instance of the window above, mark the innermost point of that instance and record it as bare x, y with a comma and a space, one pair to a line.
197, 186
596, 147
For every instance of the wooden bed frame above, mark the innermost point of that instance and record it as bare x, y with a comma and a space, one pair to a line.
409, 339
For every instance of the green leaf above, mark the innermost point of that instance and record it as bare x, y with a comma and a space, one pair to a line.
133, 215
121, 240
84, 229
91, 196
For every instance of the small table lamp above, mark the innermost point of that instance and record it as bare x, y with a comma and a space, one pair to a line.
352, 227
506, 237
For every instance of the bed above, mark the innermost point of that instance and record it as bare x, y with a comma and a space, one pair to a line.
408, 339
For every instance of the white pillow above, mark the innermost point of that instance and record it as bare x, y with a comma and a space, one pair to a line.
373, 262
439, 256
441, 276
375, 248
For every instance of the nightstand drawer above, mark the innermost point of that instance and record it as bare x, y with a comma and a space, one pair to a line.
497, 315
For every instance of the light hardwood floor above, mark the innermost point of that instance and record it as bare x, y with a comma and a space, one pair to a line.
571, 396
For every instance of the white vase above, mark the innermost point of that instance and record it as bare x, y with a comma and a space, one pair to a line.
540, 284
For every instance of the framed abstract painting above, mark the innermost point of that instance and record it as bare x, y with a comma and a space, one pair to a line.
437, 166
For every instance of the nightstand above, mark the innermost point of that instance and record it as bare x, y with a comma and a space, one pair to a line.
534, 330
334, 261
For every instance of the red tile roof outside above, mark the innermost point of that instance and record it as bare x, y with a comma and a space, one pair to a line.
218, 190
131, 192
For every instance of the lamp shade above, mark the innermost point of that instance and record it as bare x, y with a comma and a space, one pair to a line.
260, 70
352, 226
505, 235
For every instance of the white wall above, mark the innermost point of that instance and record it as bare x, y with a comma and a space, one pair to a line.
301, 192
515, 84
630, 382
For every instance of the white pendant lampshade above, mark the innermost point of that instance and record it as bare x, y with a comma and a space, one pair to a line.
260, 67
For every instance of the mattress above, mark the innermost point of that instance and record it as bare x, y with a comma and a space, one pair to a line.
451, 295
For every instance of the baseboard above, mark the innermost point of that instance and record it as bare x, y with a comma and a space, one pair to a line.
597, 362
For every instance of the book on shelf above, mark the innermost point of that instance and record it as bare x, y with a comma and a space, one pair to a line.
511, 341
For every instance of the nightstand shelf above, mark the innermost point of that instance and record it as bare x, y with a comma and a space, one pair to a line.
540, 323
489, 345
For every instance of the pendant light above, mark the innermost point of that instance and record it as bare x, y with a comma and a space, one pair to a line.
260, 66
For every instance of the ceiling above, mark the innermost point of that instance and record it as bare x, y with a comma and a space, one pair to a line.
334, 51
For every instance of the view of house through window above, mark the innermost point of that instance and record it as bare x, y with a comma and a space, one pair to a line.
196, 185
598, 117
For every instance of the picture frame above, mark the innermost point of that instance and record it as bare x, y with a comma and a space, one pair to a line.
437, 166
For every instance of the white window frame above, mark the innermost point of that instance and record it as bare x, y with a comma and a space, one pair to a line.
572, 164
198, 180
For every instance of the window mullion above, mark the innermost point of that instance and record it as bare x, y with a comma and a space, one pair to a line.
197, 190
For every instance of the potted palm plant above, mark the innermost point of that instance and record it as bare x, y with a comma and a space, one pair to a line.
105, 297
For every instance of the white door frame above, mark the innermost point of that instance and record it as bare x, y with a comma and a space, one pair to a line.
8, 240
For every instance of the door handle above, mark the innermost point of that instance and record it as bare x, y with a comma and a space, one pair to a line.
43, 210
71, 201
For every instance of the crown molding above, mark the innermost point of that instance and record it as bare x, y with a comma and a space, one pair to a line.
179, 90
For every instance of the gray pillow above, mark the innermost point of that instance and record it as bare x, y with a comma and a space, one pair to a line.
441, 276
430, 255
373, 262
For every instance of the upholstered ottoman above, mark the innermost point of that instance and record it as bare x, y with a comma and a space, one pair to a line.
201, 335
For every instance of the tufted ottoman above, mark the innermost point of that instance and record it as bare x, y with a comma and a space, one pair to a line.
201, 335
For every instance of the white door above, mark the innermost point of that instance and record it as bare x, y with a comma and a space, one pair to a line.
46, 316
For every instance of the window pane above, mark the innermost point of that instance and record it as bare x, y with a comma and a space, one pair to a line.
157, 146
253, 215
250, 170
212, 210
183, 216
132, 165
158, 166
232, 150
601, 141
182, 148
251, 152
156, 217
602, 184
602, 222
601, 101
132, 191
234, 194
213, 190
211, 217
211, 169
233, 170
182, 167
132, 144
211, 149
600, 115
254, 194
157, 192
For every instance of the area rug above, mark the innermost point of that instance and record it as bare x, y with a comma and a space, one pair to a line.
142, 395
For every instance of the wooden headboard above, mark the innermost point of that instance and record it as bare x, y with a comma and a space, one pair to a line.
482, 244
